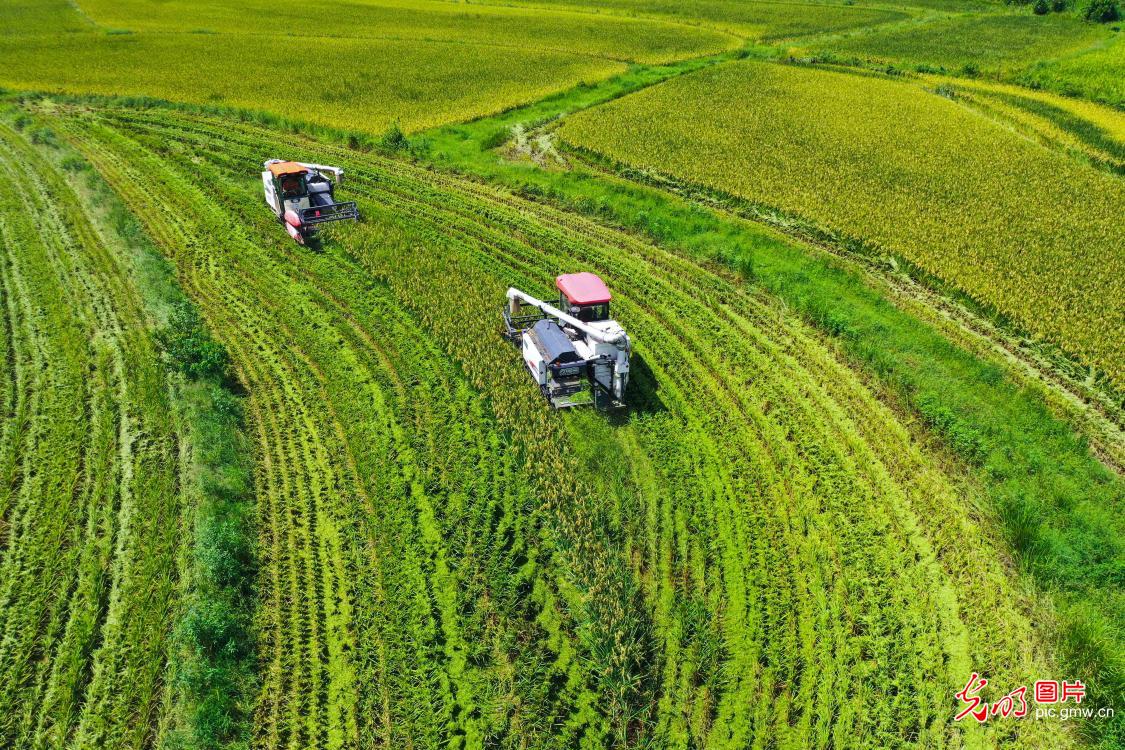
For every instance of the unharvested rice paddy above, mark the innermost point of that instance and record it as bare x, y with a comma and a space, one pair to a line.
414, 63
903, 169
758, 20
988, 43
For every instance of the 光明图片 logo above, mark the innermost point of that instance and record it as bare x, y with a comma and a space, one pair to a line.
1050, 697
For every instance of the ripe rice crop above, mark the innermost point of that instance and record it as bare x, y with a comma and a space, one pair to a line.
494, 26
19, 17
1092, 131
1005, 42
344, 91
754, 20
759, 550
904, 170
411, 62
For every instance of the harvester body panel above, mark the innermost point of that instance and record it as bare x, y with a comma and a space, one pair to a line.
577, 357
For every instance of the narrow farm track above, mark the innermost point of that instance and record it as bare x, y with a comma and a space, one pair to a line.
758, 554
90, 515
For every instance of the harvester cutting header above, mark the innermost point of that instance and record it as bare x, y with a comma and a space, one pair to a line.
575, 352
302, 196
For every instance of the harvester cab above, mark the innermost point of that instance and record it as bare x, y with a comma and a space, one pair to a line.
574, 351
302, 196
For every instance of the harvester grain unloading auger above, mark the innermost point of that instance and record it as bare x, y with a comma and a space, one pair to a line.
302, 196
577, 355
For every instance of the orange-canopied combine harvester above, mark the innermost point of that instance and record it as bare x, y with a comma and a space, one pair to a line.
302, 196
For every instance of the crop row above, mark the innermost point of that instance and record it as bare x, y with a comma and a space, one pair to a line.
758, 551
1033, 234
1093, 132
405, 601
90, 513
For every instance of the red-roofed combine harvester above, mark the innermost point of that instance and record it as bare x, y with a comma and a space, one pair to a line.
301, 196
574, 351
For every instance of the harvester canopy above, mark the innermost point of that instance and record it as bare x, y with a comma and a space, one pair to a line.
281, 168
583, 288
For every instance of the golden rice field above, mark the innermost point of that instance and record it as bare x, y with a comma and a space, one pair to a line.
496, 26
758, 20
368, 97
411, 62
256, 495
1089, 131
1020, 228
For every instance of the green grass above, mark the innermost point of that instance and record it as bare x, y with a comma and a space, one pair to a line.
904, 171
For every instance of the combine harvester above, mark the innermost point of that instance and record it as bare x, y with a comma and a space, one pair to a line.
301, 196
576, 357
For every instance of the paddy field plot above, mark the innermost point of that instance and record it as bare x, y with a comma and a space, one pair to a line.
994, 42
1097, 73
94, 498
628, 39
417, 64
764, 20
1059, 52
1012, 223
